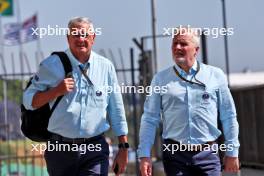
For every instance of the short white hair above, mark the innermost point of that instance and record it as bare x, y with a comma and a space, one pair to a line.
76, 20
183, 30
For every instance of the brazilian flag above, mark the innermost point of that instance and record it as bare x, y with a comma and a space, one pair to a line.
6, 7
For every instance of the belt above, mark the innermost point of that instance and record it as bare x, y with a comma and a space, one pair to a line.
191, 147
60, 138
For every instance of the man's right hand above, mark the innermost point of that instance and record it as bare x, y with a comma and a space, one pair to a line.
145, 166
65, 86
41, 98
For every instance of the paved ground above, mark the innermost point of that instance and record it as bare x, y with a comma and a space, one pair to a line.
248, 172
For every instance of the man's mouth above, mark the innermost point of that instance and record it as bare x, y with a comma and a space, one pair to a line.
179, 54
81, 45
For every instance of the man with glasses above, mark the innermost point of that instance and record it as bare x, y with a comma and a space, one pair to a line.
80, 117
189, 109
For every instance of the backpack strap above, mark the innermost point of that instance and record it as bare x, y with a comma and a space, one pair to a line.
67, 69
65, 61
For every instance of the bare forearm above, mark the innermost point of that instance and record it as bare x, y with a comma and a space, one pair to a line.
121, 159
122, 139
41, 98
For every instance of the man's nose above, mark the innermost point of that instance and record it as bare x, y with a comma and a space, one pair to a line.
81, 38
178, 46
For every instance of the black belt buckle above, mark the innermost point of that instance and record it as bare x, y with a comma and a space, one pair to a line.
79, 140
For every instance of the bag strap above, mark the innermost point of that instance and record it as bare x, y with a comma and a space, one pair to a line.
65, 61
67, 69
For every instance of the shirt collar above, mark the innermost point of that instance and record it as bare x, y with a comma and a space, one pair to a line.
195, 66
193, 69
75, 61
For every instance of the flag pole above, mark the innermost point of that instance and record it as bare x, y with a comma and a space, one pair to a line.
38, 43
21, 62
4, 70
4, 84
1, 36
20, 44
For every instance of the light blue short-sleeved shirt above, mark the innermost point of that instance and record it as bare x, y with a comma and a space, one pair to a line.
82, 112
189, 111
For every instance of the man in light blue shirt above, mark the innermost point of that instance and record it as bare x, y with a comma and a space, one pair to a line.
188, 110
81, 113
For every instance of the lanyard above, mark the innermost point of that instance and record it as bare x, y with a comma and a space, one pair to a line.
191, 82
85, 75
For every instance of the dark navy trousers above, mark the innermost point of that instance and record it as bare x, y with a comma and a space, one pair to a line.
78, 162
191, 163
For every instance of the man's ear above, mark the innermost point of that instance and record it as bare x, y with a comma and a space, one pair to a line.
197, 50
93, 37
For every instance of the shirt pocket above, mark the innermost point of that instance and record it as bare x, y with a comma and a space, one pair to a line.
98, 97
207, 98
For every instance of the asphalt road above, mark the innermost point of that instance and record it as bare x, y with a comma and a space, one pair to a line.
247, 172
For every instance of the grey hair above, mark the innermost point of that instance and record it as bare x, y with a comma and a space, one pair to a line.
188, 30
74, 21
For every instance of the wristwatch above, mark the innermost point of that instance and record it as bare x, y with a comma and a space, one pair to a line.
123, 145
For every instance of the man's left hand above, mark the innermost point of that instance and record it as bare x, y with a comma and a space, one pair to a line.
121, 160
231, 164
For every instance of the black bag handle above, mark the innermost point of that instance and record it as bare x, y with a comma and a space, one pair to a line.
67, 69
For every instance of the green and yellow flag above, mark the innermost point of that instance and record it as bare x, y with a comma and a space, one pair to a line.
6, 7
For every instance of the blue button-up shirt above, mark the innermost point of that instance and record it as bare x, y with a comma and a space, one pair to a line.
189, 111
82, 112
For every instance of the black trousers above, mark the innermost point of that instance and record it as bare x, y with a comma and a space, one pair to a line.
82, 159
